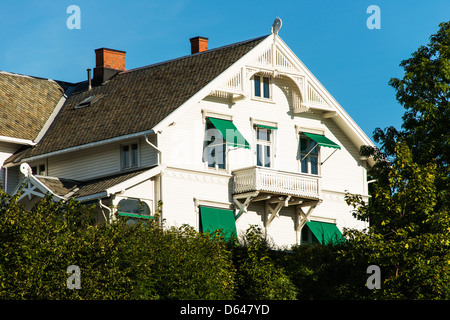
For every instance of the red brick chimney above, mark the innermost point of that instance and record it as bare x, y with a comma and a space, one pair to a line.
108, 62
199, 44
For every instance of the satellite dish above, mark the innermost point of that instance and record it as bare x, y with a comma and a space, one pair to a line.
276, 26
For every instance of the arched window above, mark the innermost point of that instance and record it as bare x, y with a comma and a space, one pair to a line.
133, 208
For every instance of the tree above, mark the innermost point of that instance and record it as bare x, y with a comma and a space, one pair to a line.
424, 92
409, 233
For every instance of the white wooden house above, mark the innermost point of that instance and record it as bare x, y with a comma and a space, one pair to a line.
227, 138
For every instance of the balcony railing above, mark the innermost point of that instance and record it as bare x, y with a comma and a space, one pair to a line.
278, 182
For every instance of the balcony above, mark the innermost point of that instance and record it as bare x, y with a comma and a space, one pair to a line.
276, 182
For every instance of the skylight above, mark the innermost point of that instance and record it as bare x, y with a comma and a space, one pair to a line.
89, 101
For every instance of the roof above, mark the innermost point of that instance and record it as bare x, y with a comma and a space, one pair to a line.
26, 103
66, 188
136, 100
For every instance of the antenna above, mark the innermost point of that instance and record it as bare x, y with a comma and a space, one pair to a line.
276, 26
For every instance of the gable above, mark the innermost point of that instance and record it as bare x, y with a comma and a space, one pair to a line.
273, 58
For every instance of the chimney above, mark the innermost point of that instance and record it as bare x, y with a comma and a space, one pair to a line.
199, 44
108, 62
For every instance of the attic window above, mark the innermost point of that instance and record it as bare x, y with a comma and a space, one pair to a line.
89, 101
261, 86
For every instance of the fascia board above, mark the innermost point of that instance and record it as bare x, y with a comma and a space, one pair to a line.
17, 141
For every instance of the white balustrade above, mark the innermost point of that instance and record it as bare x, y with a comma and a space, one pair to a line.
269, 180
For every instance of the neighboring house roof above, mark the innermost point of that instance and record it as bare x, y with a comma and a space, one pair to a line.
135, 100
66, 188
26, 103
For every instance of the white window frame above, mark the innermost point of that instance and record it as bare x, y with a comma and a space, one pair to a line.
263, 143
130, 148
149, 203
308, 154
37, 169
261, 84
206, 114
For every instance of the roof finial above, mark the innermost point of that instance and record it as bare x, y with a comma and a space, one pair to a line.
276, 26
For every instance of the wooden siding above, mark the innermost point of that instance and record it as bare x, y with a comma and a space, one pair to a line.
182, 187
182, 144
342, 171
96, 162
6, 150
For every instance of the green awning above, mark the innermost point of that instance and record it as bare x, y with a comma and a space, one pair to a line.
230, 133
266, 127
135, 215
322, 140
325, 232
218, 219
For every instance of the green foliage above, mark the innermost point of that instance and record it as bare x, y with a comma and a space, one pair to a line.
258, 277
408, 237
118, 261
424, 92
409, 209
184, 264
322, 272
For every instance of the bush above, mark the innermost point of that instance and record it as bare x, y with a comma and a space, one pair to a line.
258, 278
117, 261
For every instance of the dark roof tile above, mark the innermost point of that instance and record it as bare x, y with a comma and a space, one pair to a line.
136, 100
26, 103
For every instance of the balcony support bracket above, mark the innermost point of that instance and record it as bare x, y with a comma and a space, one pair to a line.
272, 212
302, 217
247, 198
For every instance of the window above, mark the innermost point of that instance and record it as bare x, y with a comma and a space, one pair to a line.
38, 170
215, 147
261, 87
221, 134
129, 156
134, 209
263, 147
307, 236
309, 155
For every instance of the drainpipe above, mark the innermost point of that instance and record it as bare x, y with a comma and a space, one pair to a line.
160, 175
6, 179
108, 220
156, 148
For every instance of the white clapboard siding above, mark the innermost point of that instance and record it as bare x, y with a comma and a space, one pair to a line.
183, 143
281, 230
182, 187
14, 178
85, 164
6, 150
96, 162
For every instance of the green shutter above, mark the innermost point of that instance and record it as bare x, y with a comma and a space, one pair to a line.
266, 127
325, 232
322, 140
218, 219
230, 133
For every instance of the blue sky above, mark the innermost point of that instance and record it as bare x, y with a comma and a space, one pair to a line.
331, 38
